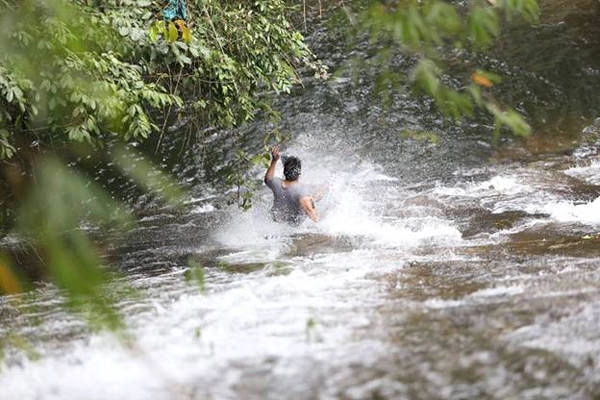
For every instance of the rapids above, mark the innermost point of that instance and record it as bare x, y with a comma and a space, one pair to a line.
460, 269
483, 287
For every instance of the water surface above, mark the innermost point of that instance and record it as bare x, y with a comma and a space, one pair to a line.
460, 268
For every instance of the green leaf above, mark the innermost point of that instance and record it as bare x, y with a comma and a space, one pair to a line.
425, 75
186, 34
173, 34
183, 59
153, 32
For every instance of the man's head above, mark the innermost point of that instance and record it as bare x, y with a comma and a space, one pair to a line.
292, 168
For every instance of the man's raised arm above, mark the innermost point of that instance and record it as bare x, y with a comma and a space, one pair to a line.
274, 158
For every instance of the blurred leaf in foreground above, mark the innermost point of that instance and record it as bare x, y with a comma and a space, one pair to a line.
195, 274
54, 215
9, 280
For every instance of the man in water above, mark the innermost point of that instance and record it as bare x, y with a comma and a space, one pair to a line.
292, 200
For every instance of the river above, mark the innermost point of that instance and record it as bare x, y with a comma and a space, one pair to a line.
444, 266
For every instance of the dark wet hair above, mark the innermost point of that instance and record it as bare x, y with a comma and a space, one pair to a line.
292, 168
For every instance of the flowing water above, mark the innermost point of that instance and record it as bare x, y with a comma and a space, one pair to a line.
453, 268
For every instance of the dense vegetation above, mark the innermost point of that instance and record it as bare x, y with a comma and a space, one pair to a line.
104, 69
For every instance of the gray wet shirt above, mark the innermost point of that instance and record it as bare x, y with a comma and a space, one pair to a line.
286, 203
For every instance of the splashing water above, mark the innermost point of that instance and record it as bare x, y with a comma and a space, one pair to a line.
347, 307
357, 202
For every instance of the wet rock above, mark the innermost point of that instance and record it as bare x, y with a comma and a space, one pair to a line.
242, 268
479, 220
550, 240
305, 245
423, 281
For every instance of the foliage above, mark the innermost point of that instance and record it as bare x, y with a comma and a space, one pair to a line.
234, 50
106, 68
195, 274
436, 35
82, 90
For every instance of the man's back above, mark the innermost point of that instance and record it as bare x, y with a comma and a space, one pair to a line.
286, 202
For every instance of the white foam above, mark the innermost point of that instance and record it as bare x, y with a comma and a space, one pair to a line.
588, 213
589, 173
254, 230
204, 208
498, 185
498, 291
487, 295
507, 185
439, 304
101, 370
573, 337
196, 338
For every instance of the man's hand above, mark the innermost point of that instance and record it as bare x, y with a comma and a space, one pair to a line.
275, 153
308, 206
